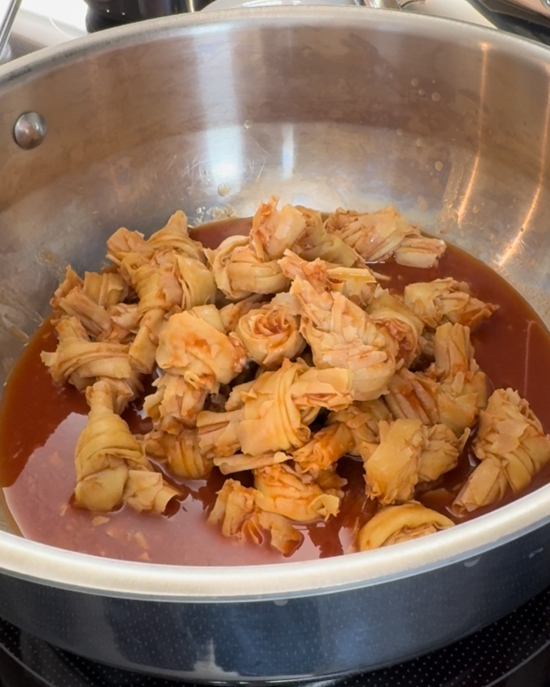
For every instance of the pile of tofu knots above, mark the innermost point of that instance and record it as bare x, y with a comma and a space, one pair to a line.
277, 354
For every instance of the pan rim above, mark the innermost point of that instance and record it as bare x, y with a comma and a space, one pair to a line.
85, 573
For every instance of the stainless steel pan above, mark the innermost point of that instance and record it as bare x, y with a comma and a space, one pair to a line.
327, 107
530, 18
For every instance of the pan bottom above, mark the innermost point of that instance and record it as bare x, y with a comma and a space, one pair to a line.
514, 650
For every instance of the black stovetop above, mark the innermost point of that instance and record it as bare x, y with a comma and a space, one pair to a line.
513, 652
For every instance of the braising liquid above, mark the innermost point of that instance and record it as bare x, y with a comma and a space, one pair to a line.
40, 424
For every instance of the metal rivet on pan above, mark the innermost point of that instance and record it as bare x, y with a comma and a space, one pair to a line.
29, 130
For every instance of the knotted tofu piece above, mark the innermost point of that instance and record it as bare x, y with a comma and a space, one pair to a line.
107, 456
217, 432
272, 412
378, 236
325, 448
240, 273
454, 353
316, 242
417, 250
282, 490
142, 350
271, 419
94, 317
345, 337
509, 430
181, 451
232, 312
512, 448
105, 288
486, 485
300, 229
175, 404
245, 265
177, 401
446, 300
237, 512
400, 326
126, 317
234, 506
211, 315
90, 300
174, 236
327, 479
441, 452
279, 406
340, 333
270, 334
168, 274
240, 462
159, 292
356, 283
396, 524
362, 418
314, 389
147, 491
154, 280
274, 231
452, 391
462, 384
123, 242
315, 274
197, 282
166, 283
82, 362
191, 347
414, 396
391, 472
282, 535
70, 282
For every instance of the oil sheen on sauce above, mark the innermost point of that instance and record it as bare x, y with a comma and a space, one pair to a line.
40, 424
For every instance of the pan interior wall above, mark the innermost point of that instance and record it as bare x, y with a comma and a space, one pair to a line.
450, 130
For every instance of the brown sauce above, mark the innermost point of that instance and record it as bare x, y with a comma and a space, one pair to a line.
40, 424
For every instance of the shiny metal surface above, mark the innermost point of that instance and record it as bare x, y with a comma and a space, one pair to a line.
30, 130
410, 4
542, 6
8, 12
527, 18
326, 107
130, 10
381, 4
